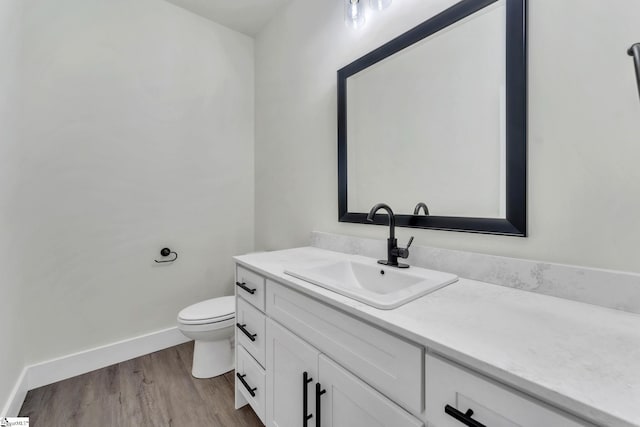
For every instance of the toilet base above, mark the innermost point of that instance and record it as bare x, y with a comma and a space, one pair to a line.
212, 358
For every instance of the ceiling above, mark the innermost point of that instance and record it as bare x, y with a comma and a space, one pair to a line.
245, 16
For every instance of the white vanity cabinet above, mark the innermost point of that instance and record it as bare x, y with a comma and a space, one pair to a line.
468, 396
250, 382
391, 365
250, 324
250, 339
306, 388
302, 363
250, 286
292, 366
346, 401
312, 365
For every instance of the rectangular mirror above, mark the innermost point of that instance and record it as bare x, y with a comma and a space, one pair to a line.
438, 115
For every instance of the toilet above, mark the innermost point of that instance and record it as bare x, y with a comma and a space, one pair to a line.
210, 324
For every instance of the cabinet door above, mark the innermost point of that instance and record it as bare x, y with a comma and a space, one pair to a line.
346, 401
288, 358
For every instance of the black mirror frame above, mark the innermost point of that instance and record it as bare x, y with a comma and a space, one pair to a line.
515, 223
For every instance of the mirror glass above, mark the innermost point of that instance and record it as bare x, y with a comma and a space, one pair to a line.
438, 115
428, 122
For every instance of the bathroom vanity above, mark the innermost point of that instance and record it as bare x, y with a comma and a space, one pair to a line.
470, 353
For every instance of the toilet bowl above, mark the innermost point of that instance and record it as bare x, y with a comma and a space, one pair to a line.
210, 324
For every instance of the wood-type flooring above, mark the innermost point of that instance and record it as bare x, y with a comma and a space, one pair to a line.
154, 390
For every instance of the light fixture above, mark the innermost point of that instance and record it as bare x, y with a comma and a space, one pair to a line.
354, 13
379, 4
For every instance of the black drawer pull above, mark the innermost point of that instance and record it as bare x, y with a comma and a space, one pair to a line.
245, 287
251, 336
635, 52
306, 379
463, 418
252, 391
319, 392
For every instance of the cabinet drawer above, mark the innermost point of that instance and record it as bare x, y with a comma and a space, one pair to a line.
391, 365
250, 328
250, 286
253, 389
493, 405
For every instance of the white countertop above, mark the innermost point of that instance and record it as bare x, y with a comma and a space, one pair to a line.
580, 357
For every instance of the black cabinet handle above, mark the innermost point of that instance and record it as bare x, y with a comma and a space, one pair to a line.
319, 392
252, 391
463, 418
306, 379
245, 287
251, 336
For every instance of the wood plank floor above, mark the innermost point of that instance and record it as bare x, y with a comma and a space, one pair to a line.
152, 390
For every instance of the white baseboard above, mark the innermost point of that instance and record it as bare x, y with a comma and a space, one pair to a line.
16, 398
51, 371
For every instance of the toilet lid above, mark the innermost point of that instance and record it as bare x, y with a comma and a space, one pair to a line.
214, 310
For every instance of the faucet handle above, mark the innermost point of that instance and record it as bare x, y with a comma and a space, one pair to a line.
403, 252
410, 242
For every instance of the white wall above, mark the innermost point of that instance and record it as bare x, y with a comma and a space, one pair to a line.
12, 310
584, 178
138, 134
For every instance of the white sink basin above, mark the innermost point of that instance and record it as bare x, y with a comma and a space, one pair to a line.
374, 284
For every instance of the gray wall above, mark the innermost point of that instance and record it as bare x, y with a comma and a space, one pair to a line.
13, 311
137, 134
584, 178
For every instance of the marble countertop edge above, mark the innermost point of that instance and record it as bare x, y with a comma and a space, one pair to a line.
272, 269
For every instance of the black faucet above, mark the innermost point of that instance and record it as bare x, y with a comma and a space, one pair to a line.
419, 206
393, 251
